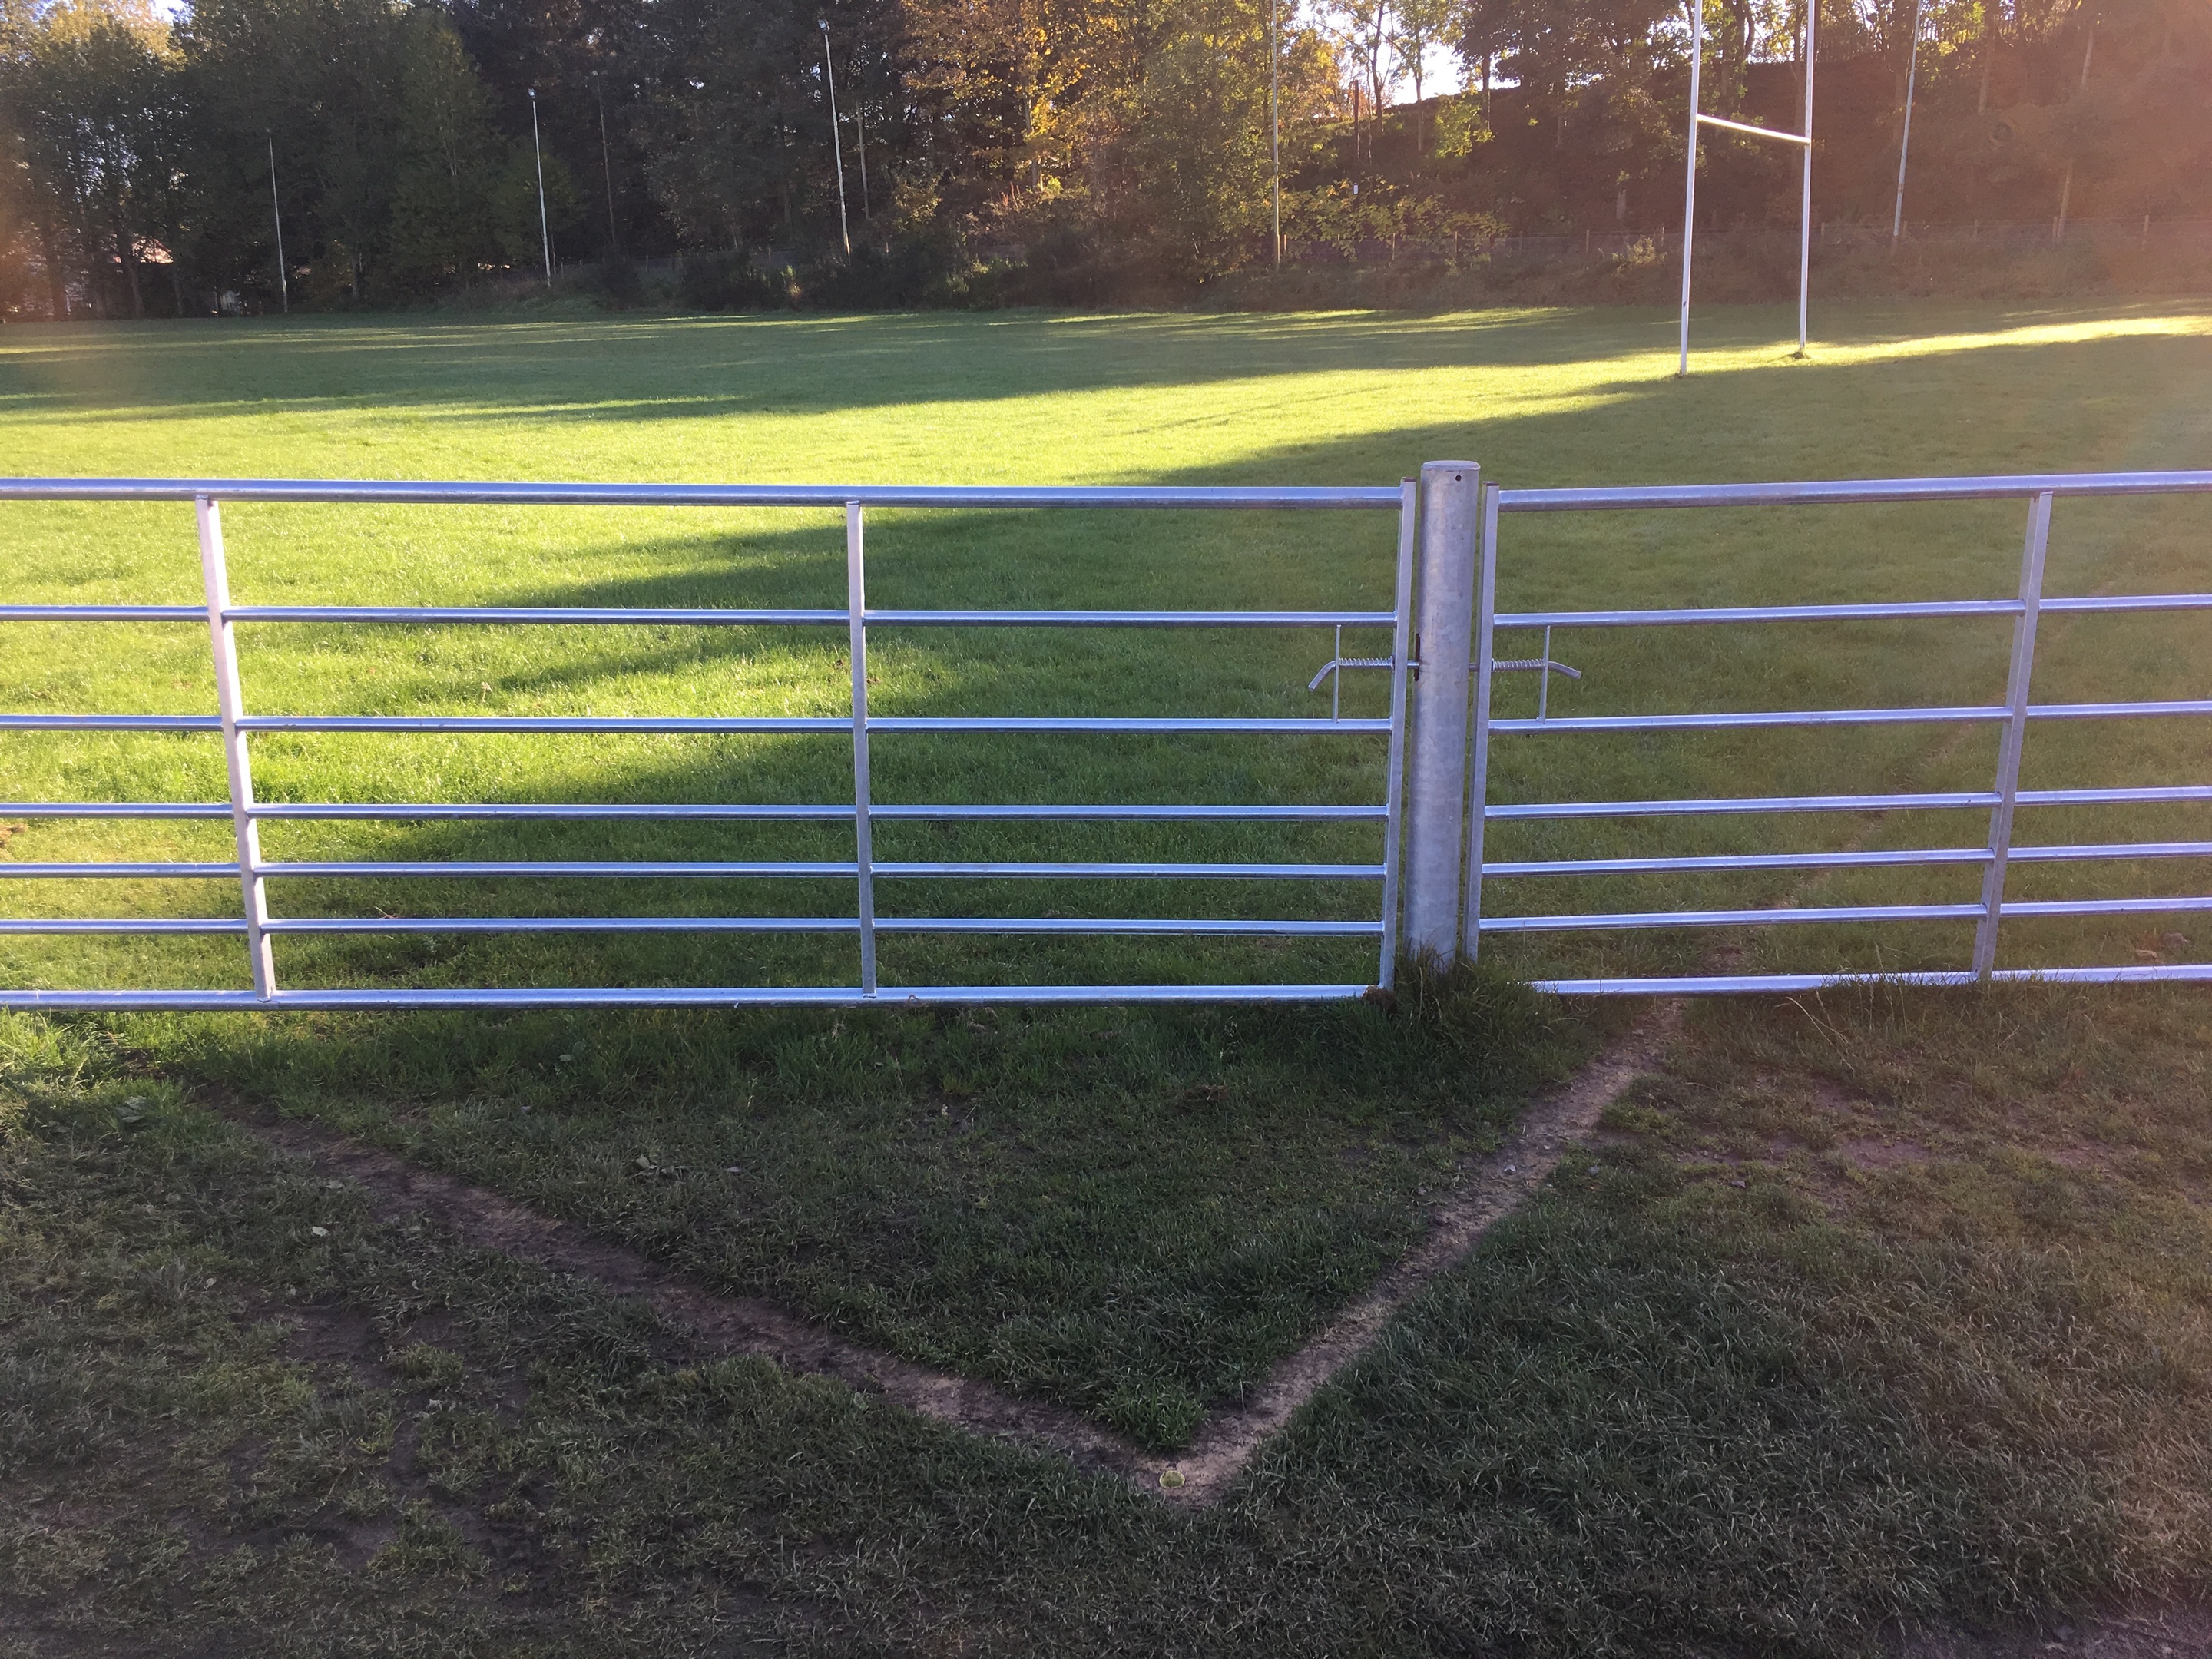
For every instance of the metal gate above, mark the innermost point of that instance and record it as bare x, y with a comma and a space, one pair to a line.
1437, 735
260, 925
1994, 807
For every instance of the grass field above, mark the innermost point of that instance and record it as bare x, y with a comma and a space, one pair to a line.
1537, 399
1744, 1385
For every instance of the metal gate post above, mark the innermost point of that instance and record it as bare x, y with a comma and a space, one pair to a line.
1436, 781
2015, 734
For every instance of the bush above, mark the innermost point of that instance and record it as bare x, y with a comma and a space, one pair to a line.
928, 267
728, 282
623, 283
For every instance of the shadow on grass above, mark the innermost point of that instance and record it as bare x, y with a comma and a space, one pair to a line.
1130, 1210
1659, 1412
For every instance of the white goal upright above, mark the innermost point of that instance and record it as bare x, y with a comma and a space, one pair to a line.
1698, 118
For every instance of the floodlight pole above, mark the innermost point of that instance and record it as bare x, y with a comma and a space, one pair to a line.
1690, 172
545, 225
1275, 121
836, 144
607, 165
276, 213
1805, 219
1905, 143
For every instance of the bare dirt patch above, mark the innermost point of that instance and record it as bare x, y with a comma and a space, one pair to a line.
2175, 1633
1884, 1154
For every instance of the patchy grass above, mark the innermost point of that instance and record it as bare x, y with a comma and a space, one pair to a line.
1659, 1412
1134, 1212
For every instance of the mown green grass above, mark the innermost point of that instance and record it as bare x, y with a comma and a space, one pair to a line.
1216, 1182
1538, 398
1863, 1312
1134, 1213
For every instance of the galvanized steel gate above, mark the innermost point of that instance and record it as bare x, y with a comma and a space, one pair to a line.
2016, 716
1438, 735
259, 928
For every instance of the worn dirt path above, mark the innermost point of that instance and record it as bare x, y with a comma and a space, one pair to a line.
721, 1324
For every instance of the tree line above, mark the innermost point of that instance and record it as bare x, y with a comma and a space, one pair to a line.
151, 164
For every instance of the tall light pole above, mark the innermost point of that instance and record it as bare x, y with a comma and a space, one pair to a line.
836, 144
606, 161
861, 149
1275, 121
277, 212
1905, 144
1690, 171
544, 229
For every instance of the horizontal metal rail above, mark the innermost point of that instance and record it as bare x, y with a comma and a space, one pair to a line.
676, 811
1905, 716
122, 925
1783, 915
278, 870
1229, 927
1659, 865
646, 725
697, 616
181, 613
1626, 920
1854, 491
705, 616
1679, 985
110, 723
2151, 793
607, 616
1847, 860
893, 997
458, 492
1887, 610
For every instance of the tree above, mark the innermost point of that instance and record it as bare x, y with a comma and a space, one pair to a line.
1416, 26
448, 152
88, 86
1199, 156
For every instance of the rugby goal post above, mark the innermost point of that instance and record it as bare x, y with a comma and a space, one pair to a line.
1698, 118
